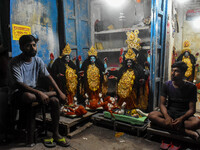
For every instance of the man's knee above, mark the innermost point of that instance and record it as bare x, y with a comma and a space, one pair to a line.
28, 97
152, 115
196, 122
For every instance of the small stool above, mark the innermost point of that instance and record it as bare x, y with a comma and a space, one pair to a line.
19, 120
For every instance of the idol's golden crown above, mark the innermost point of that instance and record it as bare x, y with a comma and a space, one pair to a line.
92, 52
67, 50
186, 46
132, 40
130, 54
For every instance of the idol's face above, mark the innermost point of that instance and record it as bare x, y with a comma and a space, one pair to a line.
67, 58
92, 59
186, 54
129, 63
30, 49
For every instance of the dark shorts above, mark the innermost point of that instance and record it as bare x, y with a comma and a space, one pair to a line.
16, 97
175, 114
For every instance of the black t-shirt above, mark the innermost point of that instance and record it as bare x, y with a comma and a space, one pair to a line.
179, 98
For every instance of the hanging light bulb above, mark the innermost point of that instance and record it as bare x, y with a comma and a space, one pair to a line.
115, 3
182, 1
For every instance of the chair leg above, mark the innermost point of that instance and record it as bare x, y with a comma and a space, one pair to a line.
30, 124
44, 119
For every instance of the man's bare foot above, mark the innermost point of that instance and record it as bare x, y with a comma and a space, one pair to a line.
192, 134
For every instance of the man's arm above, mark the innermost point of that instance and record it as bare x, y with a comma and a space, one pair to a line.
163, 109
178, 123
190, 112
41, 95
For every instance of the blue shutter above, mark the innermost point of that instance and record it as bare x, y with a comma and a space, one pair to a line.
76, 18
158, 36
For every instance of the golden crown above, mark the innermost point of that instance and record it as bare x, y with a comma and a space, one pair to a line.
130, 54
66, 51
186, 46
92, 52
132, 40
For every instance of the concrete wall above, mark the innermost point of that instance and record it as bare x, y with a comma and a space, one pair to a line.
41, 16
188, 30
191, 32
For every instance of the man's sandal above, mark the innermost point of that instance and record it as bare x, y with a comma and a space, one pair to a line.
164, 145
62, 142
173, 147
49, 143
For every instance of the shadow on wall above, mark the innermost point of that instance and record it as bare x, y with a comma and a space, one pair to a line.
3, 88
3, 66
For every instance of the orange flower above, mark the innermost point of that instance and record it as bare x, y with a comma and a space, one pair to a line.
198, 85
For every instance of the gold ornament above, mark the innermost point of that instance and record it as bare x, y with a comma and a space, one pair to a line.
126, 83
130, 54
92, 52
66, 51
93, 77
187, 60
132, 40
186, 47
71, 78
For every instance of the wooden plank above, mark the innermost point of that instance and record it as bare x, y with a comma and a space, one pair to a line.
67, 123
71, 121
87, 125
99, 119
152, 131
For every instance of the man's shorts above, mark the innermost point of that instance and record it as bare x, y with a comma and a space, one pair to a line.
174, 114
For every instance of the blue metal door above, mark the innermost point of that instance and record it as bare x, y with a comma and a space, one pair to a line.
76, 22
158, 36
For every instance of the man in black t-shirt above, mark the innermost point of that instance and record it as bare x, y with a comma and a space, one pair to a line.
179, 113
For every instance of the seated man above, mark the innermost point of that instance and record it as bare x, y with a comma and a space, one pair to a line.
25, 69
182, 97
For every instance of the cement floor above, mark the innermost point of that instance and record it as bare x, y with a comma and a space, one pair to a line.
96, 138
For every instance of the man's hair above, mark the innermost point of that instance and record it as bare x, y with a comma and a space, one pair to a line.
181, 65
24, 39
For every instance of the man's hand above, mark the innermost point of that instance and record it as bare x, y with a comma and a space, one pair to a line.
177, 123
168, 122
63, 97
43, 97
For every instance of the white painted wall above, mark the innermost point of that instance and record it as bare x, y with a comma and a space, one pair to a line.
189, 30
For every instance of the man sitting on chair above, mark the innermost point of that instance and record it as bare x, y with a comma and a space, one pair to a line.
25, 69
182, 97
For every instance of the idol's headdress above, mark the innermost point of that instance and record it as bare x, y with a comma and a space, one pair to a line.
66, 51
92, 52
130, 54
186, 47
132, 40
